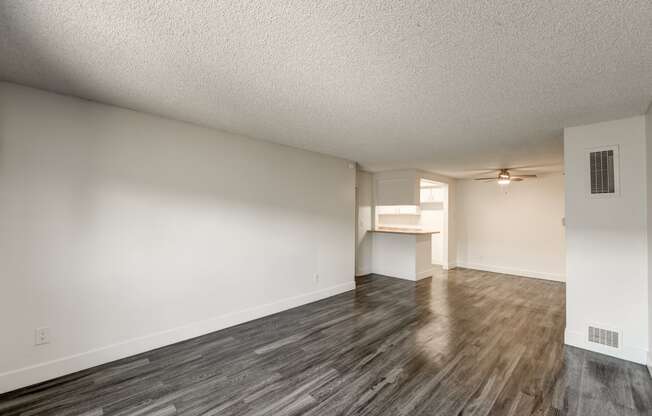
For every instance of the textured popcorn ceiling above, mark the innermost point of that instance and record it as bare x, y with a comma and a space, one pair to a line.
449, 86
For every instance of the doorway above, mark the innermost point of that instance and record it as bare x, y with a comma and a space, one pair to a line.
434, 216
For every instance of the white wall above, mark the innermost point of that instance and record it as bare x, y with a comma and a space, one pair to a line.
606, 239
433, 219
449, 218
364, 239
515, 229
648, 146
395, 255
122, 231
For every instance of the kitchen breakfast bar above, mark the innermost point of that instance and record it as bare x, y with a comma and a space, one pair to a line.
405, 253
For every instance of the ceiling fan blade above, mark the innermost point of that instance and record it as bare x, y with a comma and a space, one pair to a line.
515, 179
501, 166
484, 179
544, 166
524, 176
481, 171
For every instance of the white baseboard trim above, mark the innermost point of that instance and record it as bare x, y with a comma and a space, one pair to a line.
396, 276
420, 275
633, 354
363, 272
512, 271
649, 362
22, 377
425, 273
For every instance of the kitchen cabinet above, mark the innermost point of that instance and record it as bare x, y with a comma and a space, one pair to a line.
397, 188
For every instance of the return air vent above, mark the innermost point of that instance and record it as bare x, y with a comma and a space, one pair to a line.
603, 171
604, 336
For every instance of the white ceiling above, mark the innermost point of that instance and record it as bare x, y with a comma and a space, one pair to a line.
447, 86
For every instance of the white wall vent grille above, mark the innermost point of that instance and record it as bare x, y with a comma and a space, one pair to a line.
604, 336
603, 171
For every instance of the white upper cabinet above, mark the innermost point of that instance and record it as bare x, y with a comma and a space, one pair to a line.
397, 188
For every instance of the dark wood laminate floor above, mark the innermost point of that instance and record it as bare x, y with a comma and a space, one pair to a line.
461, 343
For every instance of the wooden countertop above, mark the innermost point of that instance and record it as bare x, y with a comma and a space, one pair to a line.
397, 230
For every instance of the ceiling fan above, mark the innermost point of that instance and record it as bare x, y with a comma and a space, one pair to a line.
504, 177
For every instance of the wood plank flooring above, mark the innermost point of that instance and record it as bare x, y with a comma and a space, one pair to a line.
462, 343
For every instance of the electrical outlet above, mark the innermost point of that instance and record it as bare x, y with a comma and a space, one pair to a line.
42, 336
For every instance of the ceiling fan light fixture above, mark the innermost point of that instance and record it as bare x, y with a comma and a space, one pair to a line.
504, 177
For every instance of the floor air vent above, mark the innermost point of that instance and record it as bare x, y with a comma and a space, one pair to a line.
604, 337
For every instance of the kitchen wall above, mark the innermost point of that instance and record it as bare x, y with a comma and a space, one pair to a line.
449, 218
365, 214
606, 239
428, 218
122, 232
648, 147
515, 229
434, 219
405, 180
